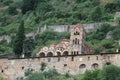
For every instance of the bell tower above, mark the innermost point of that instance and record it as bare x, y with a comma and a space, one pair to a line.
77, 40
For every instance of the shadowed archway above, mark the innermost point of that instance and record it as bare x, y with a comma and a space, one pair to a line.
49, 54
82, 66
58, 54
95, 65
42, 54
65, 53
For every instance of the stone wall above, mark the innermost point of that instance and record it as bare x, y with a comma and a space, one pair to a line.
66, 28
5, 37
15, 68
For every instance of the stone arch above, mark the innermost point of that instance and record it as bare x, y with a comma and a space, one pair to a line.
49, 54
108, 63
58, 53
95, 65
82, 66
65, 53
42, 54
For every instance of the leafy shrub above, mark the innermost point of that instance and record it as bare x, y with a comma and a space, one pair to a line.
28, 71
116, 33
36, 76
109, 72
43, 66
12, 10
7, 2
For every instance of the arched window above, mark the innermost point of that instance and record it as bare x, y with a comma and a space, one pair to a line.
77, 52
78, 41
72, 53
75, 40
82, 66
50, 54
58, 54
65, 53
95, 65
74, 33
42, 54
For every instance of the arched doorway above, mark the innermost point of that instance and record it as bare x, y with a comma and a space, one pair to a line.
50, 54
82, 66
95, 65
108, 63
58, 54
42, 54
65, 53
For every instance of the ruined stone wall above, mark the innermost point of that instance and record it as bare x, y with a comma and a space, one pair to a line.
15, 68
67, 28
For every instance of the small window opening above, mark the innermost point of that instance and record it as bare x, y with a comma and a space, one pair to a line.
72, 58
22, 67
2, 71
88, 58
96, 57
65, 65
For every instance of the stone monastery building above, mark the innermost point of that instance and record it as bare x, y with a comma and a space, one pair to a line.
75, 46
72, 56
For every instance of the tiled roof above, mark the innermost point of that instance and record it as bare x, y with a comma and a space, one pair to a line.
78, 26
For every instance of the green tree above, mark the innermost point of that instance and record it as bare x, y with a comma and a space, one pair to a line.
43, 66
31, 5
112, 7
51, 74
36, 76
96, 14
96, 50
107, 43
91, 75
19, 40
116, 33
28, 5
110, 72
28, 46
12, 10
47, 35
28, 71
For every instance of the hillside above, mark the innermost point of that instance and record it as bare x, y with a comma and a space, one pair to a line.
53, 12
37, 13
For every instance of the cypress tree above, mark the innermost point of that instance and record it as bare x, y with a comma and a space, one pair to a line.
19, 40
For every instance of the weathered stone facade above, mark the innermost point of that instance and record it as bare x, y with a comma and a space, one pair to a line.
75, 46
72, 56
15, 68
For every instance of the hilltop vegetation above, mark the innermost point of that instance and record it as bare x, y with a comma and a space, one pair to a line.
36, 13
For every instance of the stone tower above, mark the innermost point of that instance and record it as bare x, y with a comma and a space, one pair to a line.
77, 40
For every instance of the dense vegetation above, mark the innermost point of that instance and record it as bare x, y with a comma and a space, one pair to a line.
37, 13
40, 12
109, 72
104, 38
